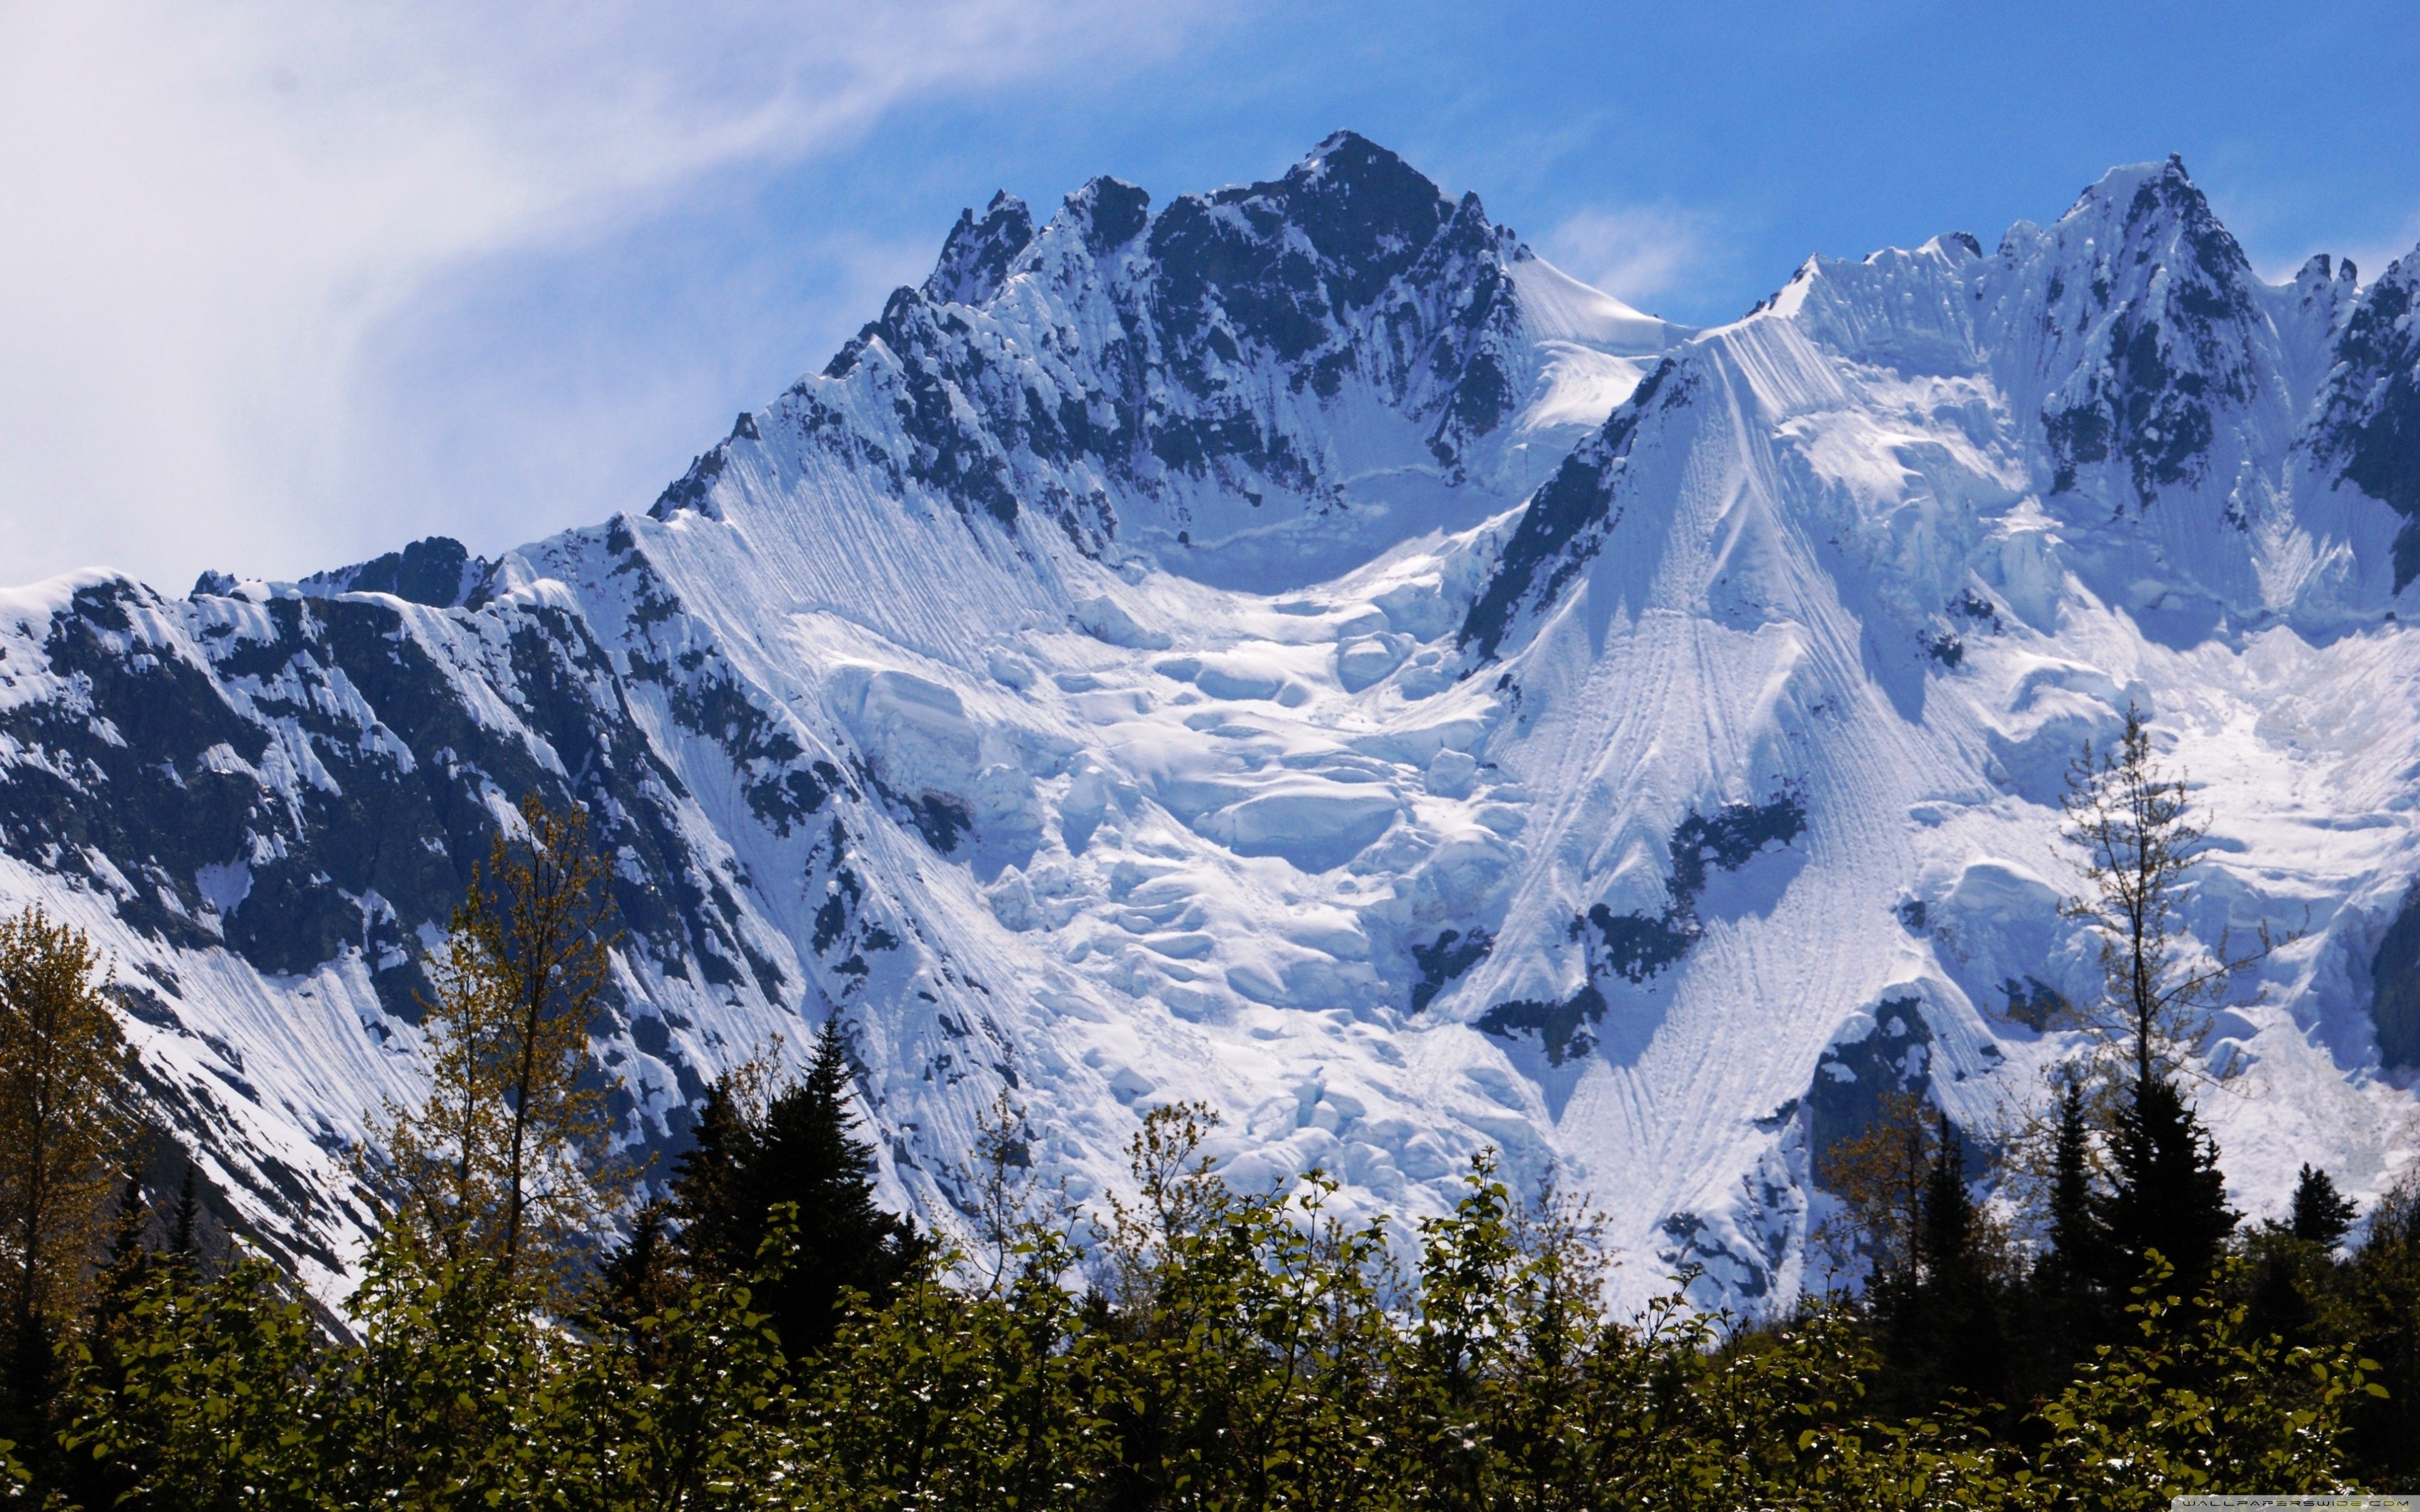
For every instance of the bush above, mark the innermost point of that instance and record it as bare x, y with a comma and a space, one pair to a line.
1205, 1348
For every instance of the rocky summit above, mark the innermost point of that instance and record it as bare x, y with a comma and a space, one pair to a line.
1293, 648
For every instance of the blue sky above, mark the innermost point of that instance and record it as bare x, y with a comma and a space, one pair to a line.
292, 285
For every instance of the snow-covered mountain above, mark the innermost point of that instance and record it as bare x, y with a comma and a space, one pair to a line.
1295, 649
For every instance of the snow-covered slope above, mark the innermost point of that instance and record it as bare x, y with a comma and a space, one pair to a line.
1296, 650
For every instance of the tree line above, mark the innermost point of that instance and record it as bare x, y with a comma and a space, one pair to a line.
531, 1332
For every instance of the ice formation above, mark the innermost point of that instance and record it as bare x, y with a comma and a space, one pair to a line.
1295, 649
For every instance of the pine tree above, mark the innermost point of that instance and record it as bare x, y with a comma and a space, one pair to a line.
127, 1261
2320, 1214
2166, 1191
184, 1225
2069, 1277
802, 1151
636, 1283
719, 1229
2141, 842
1941, 1334
127, 1273
1964, 1304
2075, 1229
809, 1156
64, 1122
1945, 1235
2293, 1273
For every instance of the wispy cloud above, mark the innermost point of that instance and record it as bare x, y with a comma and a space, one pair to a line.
2284, 216
211, 209
2370, 255
1637, 252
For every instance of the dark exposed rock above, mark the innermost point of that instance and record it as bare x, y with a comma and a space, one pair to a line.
437, 571
692, 489
2177, 343
975, 259
1566, 1030
1894, 1057
1451, 954
2368, 423
1637, 947
1350, 270
2395, 990
1114, 212
1728, 839
153, 784
1566, 522
2034, 1003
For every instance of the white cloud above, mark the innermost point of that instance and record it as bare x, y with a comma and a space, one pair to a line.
1634, 252
211, 209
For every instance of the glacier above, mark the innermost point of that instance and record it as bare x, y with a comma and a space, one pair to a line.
1295, 649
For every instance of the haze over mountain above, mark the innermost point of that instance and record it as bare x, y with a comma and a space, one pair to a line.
1292, 647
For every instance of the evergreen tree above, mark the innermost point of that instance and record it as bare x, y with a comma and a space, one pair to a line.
2067, 1280
2168, 1193
638, 1280
719, 1229
2141, 842
802, 1151
1958, 1344
811, 1157
2320, 1214
184, 1225
2076, 1234
2293, 1279
115, 1323
127, 1261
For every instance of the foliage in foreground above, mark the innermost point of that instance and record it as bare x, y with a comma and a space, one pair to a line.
1234, 1351
767, 1336
64, 1094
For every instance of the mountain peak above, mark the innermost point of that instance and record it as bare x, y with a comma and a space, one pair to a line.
2159, 213
437, 571
1108, 212
2158, 300
2120, 184
1084, 697
1353, 200
976, 256
1349, 156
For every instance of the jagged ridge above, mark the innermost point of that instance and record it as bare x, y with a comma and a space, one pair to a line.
1139, 666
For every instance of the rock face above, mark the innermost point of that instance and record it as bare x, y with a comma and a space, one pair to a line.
1295, 649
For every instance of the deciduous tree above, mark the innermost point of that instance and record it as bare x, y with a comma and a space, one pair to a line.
506, 1157
1878, 1174
2133, 821
65, 1119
